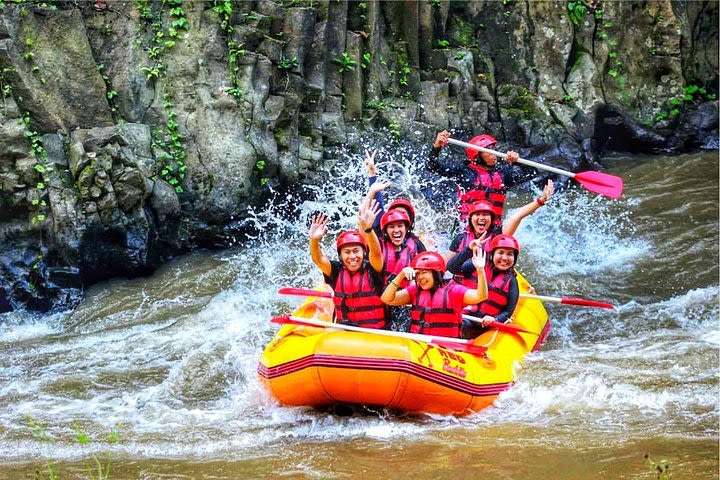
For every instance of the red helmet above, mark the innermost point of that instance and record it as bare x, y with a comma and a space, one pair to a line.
429, 261
405, 204
394, 216
481, 206
350, 237
505, 241
483, 140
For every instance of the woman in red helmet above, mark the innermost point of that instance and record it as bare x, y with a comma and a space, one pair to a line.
480, 177
481, 230
357, 278
398, 251
502, 284
436, 304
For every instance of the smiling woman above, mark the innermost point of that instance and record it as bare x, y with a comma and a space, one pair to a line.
357, 278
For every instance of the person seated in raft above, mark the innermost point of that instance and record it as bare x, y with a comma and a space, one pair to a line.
502, 284
480, 177
436, 304
356, 279
480, 232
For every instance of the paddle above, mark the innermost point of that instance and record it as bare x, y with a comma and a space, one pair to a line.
445, 342
598, 182
305, 292
503, 327
570, 301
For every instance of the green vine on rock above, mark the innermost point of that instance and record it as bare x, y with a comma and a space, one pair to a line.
39, 191
224, 11
171, 148
169, 142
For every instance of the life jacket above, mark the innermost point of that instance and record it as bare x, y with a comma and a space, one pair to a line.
356, 299
471, 282
432, 315
498, 291
394, 260
489, 186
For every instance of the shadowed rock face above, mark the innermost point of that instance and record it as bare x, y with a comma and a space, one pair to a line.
131, 133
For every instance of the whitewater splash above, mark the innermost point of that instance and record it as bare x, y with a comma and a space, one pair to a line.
171, 360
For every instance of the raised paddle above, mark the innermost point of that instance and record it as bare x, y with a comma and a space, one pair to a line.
446, 342
306, 292
598, 182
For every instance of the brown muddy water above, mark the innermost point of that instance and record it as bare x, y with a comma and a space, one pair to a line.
169, 362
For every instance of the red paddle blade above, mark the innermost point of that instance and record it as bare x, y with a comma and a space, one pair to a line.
586, 303
467, 347
602, 183
304, 292
505, 327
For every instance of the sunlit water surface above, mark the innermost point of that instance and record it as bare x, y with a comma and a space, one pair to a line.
169, 362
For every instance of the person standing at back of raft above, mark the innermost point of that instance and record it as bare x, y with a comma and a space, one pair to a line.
436, 304
480, 177
357, 278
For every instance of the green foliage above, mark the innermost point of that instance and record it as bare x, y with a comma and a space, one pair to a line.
366, 60
443, 43
346, 62
6, 88
460, 54
224, 11
286, 64
37, 151
96, 468
375, 104
170, 143
577, 11
661, 468
394, 128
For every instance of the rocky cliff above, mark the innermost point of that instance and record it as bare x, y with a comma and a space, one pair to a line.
133, 131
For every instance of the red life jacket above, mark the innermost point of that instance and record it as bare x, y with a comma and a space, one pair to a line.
394, 261
489, 186
471, 282
357, 301
432, 315
498, 291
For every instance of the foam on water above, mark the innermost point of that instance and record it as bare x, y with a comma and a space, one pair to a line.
172, 359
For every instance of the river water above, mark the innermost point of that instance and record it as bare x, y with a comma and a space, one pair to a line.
169, 362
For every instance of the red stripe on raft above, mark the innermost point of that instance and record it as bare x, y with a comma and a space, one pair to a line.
542, 337
330, 361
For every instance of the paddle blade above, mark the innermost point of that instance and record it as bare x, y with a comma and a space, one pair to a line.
602, 183
586, 303
467, 347
505, 327
304, 292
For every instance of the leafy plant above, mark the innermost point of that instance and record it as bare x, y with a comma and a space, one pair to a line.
286, 64
443, 43
346, 62
366, 60
577, 11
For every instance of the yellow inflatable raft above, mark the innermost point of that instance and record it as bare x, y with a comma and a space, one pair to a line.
318, 367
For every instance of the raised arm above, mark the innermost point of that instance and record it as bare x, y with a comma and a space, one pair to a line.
367, 213
392, 295
317, 231
511, 224
476, 296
